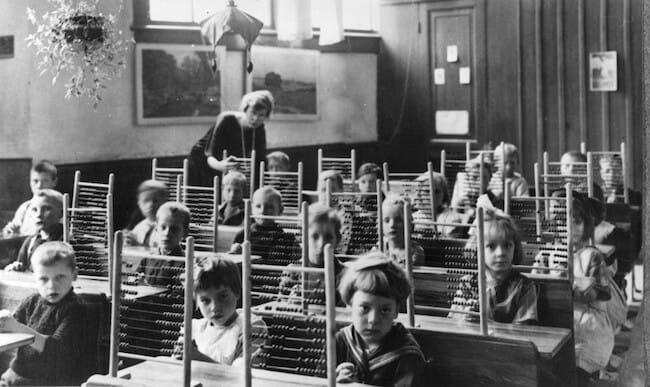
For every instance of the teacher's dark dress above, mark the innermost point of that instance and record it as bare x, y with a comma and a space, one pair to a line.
225, 134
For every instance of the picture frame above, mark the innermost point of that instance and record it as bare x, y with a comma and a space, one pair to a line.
292, 76
603, 71
176, 84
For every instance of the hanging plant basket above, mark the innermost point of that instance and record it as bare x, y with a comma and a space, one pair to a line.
78, 40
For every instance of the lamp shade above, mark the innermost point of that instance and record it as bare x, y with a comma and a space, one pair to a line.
231, 20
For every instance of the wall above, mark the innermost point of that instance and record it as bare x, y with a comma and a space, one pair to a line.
536, 94
37, 122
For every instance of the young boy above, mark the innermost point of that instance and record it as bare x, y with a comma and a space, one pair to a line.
46, 210
268, 239
374, 349
54, 316
231, 211
569, 166
172, 225
516, 183
336, 185
324, 229
151, 195
42, 175
217, 337
393, 221
277, 162
367, 177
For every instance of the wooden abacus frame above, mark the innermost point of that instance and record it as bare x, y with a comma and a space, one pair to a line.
114, 353
68, 229
330, 308
250, 162
185, 194
329, 195
169, 176
541, 179
465, 182
480, 270
407, 179
298, 176
622, 154
538, 200
352, 160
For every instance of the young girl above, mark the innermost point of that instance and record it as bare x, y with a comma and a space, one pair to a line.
444, 213
393, 221
511, 296
217, 337
374, 349
594, 333
516, 183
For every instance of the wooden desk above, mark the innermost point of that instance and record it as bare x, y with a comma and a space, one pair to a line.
9, 341
152, 373
132, 255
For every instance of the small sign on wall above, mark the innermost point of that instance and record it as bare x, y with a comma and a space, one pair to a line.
452, 122
602, 71
439, 76
6, 46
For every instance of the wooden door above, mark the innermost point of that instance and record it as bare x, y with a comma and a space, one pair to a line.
454, 32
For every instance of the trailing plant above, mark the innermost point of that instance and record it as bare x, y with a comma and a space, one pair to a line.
77, 40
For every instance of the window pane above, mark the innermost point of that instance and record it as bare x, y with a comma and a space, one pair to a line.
197, 10
357, 14
170, 10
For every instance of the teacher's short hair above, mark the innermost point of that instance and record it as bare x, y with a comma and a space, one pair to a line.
258, 100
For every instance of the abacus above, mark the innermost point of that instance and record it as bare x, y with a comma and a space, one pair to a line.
498, 184
468, 185
346, 166
544, 225
455, 288
148, 327
247, 168
615, 183
88, 225
419, 188
296, 341
551, 179
203, 203
451, 166
169, 175
361, 227
276, 242
289, 184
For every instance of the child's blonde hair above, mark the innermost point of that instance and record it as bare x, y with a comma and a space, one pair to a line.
53, 197
334, 176
376, 274
271, 193
51, 253
319, 213
279, 156
157, 187
504, 228
178, 211
235, 178
393, 199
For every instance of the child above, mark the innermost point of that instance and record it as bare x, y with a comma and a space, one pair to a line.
268, 239
336, 185
43, 175
172, 225
367, 177
470, 186
393, 221
151, 195
570, 164
217, 337
444, 213
611, 174
231, 211
324, 228
54, 316
374, 349
516, 183
511, 296
277, 162
594, 332
46, 210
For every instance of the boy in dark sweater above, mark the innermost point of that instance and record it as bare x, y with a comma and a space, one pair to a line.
54, 316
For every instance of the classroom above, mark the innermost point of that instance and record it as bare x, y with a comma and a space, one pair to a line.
323, 192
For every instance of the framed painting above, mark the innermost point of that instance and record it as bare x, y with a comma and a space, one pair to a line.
602, 71
291, 75
175, 84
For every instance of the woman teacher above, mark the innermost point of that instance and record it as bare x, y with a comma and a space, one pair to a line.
238, 133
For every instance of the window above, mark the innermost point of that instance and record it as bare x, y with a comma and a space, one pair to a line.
360, 15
